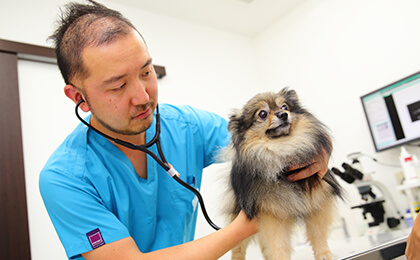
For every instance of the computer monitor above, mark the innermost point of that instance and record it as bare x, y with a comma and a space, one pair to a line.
393, 113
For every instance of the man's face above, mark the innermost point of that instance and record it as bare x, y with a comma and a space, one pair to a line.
121, 87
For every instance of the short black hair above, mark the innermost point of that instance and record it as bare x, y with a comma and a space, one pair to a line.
83, 25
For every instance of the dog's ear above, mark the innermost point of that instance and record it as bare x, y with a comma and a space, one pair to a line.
292, 98
290, 94
235, 120
237, 127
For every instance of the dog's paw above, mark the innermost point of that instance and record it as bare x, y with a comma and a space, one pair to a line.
324, 256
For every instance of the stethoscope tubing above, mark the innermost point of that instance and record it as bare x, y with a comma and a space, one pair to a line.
161, 161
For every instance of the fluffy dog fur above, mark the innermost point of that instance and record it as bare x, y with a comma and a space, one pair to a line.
270, 134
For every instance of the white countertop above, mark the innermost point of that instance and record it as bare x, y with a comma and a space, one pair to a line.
351, 248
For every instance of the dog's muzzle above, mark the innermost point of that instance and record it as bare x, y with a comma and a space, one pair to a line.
280, 126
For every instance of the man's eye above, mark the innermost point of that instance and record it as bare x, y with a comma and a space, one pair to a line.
263, 114
146, 73
120, 87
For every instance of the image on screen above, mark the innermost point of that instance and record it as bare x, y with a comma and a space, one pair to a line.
393, 113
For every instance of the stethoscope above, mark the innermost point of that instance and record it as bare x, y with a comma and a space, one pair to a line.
161, 161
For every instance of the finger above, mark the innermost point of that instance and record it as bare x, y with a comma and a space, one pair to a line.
323, 169
305, 172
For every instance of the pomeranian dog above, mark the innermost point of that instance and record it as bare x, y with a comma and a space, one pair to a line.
270, 134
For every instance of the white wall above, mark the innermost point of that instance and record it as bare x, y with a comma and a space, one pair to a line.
331, 52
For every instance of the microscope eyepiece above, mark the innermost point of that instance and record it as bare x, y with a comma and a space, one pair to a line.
355, 173
343, 175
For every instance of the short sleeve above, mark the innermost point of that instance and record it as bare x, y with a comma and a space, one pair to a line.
215, 133
79, 216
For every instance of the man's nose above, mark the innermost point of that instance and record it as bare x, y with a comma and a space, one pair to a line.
139, 93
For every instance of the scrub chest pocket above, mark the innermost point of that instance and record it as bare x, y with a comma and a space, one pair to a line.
184, 200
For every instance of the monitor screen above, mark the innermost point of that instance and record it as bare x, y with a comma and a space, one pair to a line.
393, 113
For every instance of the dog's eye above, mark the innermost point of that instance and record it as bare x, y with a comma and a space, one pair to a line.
284, 107
263, 114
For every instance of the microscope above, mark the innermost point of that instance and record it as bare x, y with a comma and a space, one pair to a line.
378, 208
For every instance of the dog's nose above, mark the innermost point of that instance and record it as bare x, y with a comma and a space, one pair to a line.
282, 115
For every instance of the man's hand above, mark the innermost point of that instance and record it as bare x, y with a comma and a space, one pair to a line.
412, 251
318, 166
250, 227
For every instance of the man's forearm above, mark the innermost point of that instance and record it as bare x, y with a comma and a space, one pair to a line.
212, 246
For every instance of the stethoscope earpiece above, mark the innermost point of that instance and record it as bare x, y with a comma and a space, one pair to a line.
79, 102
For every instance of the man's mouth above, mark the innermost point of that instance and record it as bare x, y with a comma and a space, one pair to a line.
143, 114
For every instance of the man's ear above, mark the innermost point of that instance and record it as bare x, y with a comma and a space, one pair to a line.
75, 95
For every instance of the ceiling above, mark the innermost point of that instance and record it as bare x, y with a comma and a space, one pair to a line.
245, 17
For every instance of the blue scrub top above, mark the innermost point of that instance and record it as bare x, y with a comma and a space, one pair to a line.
94, 196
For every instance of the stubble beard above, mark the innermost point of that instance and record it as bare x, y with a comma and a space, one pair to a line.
141, 129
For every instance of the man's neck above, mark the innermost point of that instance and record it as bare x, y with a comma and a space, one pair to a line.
137, 158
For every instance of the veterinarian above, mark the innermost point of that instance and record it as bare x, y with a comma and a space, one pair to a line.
110, 202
